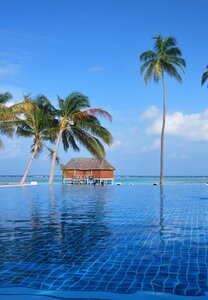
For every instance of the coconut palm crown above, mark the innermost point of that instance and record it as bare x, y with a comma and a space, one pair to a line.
35, 121
78, 124
204, 76
165, 58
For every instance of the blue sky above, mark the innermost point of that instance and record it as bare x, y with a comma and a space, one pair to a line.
56, 47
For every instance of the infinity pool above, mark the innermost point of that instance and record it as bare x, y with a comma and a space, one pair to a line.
121, 239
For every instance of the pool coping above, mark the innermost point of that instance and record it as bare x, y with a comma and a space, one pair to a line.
19, 293
17, 185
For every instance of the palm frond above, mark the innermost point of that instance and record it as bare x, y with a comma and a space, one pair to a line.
1, 144
174, 51
50, 155
179, 62
6, 113
204, 76
158, 43
77, 101
24, 133
51, 133
95, 128
4, 98
147, 55
166, 57
7, 128
91, 143
169, 43
172, 71
98, 112
69, 140
157, 70
146, 65
149, 73
27, 107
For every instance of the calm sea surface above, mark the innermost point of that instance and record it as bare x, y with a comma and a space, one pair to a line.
124, 180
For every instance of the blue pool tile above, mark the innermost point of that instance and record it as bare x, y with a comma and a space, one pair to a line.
109, 240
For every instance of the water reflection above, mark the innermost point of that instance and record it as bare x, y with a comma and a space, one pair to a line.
161, 218
118, 240
62, 227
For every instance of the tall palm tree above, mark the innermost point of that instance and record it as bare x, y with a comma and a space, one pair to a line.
204, 76
78, 123
165, 58
6, 126
36, 120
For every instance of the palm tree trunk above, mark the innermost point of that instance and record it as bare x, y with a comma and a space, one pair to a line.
29, 165
163, 132
53, 163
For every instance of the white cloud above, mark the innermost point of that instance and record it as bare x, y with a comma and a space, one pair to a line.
131, 147
126, 138
96, 69
151, 113
155, 145
191, 127
175, 155
116, 144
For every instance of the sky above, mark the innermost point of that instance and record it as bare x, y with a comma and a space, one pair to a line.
55, 47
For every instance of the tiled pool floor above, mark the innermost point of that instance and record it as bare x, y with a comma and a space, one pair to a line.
105, 239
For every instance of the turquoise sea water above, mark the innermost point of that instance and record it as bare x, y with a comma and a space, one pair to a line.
124, 180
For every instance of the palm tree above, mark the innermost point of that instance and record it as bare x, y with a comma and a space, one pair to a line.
165, 58
35, 121
6, 126
78, 123
204, 76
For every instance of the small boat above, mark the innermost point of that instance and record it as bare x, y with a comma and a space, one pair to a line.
118, 183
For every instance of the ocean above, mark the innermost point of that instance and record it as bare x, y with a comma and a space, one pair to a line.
119, 179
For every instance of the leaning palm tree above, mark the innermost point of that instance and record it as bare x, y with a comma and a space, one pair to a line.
165, 58
35, 121
6, 117
78, 124
204, 76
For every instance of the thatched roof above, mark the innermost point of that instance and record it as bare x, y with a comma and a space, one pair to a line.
88, 164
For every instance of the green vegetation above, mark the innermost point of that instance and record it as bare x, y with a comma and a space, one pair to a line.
74, 123
165, 58
35, 121
77, 123
6, 116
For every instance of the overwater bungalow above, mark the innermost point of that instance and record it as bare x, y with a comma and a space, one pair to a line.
88, 171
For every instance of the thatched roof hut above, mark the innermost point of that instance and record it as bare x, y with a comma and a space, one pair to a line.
88, 164
88, 170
